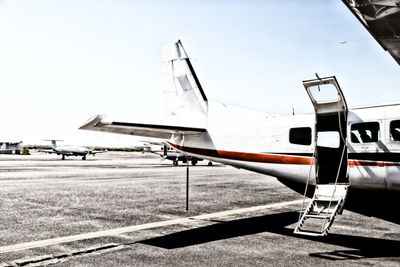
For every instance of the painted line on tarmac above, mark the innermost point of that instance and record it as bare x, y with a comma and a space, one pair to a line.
128, 229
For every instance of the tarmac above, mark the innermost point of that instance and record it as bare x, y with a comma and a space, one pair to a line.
129, 209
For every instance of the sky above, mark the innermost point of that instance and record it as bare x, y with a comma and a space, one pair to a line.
62, 62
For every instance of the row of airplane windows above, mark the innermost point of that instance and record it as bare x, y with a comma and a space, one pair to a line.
369, 132
365, 132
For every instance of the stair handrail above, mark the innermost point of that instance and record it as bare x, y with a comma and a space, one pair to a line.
307, 182
340, 164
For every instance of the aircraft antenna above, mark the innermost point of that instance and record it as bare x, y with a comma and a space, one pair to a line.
319, 89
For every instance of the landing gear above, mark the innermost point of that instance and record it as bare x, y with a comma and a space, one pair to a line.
84, 157
210, 163
63, 157
175, 162
194, 162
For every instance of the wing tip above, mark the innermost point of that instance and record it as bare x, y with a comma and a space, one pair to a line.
92, 122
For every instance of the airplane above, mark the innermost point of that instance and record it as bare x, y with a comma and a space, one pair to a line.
68, 150
167, 152
340, 157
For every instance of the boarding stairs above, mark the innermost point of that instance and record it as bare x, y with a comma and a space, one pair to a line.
327, 202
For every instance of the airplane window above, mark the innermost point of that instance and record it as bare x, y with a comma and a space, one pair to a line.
300, 136
366, 132
324, 93
395, 130
328, 139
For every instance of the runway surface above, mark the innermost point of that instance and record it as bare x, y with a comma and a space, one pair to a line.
128, 209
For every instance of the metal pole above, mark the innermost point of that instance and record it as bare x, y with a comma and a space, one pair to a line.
187, 185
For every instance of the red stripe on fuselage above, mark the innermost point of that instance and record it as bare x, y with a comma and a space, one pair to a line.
271, 158
353, 163
245, 156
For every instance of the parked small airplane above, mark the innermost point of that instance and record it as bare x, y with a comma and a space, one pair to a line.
68, 150
337, 154
165, 151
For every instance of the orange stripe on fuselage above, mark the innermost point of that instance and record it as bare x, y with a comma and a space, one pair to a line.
245, 156
353, 163
272, 158
265, 158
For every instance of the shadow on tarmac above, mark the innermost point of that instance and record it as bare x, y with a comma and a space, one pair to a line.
359, 246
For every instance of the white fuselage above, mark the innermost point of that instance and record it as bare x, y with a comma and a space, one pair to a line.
260, 142
71, 150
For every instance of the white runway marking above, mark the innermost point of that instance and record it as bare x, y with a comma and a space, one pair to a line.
128, 229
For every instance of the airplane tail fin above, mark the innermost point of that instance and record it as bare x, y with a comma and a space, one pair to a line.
185, 101
53, 142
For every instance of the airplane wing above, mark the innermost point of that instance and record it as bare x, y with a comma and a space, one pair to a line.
382, 19
97, 152
149, 130
55, 152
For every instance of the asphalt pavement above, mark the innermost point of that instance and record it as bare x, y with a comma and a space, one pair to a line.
129, 209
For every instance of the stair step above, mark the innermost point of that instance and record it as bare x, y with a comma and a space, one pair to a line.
327, 198
317, 216
327, 202
317, 213
310, 233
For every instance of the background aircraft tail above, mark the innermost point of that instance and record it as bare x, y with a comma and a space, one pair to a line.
53, 142
185, 101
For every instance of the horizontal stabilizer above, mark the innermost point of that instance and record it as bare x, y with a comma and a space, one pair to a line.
149, 130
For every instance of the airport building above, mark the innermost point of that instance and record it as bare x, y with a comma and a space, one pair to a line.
8, 147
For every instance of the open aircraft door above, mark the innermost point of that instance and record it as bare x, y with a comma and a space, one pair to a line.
330, 128
330, 156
